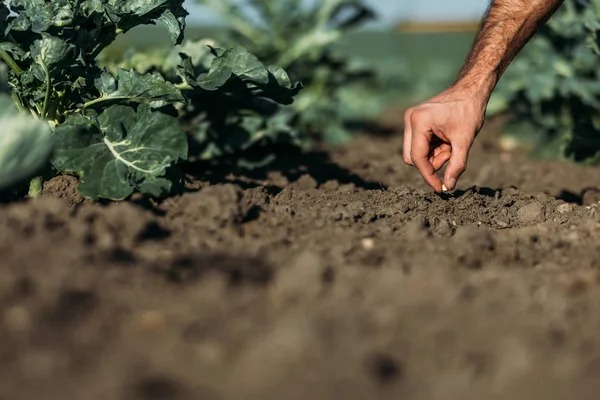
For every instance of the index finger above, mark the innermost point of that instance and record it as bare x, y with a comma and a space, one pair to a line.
420, 148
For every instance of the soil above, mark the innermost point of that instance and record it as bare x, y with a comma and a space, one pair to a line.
332, 275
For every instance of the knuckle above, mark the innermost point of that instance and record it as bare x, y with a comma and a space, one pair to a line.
461, 166
418, 115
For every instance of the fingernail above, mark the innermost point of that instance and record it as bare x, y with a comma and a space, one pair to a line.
451, 183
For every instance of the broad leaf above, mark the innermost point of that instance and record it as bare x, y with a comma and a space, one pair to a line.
236, 62
120, 151
131, 86
238, 70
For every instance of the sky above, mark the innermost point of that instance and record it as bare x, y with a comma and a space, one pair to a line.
391, 11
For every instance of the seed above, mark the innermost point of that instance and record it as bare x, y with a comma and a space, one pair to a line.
368, 244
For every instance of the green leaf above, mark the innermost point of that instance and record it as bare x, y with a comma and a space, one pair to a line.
39, 15
175, 24
120, 151
14, 50
238, 71
47, 53
129, 14
49, 50
216, 79
280, 87
131, 86
281, 77
235, 62
25, 144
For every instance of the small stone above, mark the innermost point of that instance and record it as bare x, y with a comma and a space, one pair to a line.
564, 208
531, 213
501, 223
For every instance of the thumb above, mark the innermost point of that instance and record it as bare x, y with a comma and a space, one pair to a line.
457, 165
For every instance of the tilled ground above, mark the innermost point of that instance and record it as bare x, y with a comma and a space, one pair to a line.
341, 277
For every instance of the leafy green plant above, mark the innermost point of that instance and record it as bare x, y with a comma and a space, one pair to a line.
553, 89
300, 38
233, 103
124, 130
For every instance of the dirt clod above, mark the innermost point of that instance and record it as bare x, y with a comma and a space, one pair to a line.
531, 213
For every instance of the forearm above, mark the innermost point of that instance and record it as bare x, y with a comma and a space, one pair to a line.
507, 27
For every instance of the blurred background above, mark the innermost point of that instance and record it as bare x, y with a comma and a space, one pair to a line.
424, 42
390, 11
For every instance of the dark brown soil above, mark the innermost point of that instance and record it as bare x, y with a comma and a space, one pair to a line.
342, 277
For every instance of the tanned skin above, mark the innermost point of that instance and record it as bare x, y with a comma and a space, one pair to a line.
442, 129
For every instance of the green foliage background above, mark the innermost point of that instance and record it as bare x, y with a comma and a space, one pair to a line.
338, 89
552, 90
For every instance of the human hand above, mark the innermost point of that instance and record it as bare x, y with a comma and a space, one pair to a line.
440, 131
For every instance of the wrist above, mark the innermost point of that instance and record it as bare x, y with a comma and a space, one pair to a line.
478, 85
477, 89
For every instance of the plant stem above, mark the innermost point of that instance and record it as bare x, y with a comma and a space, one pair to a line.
47, 97
101, 100
35, 187
10, 62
